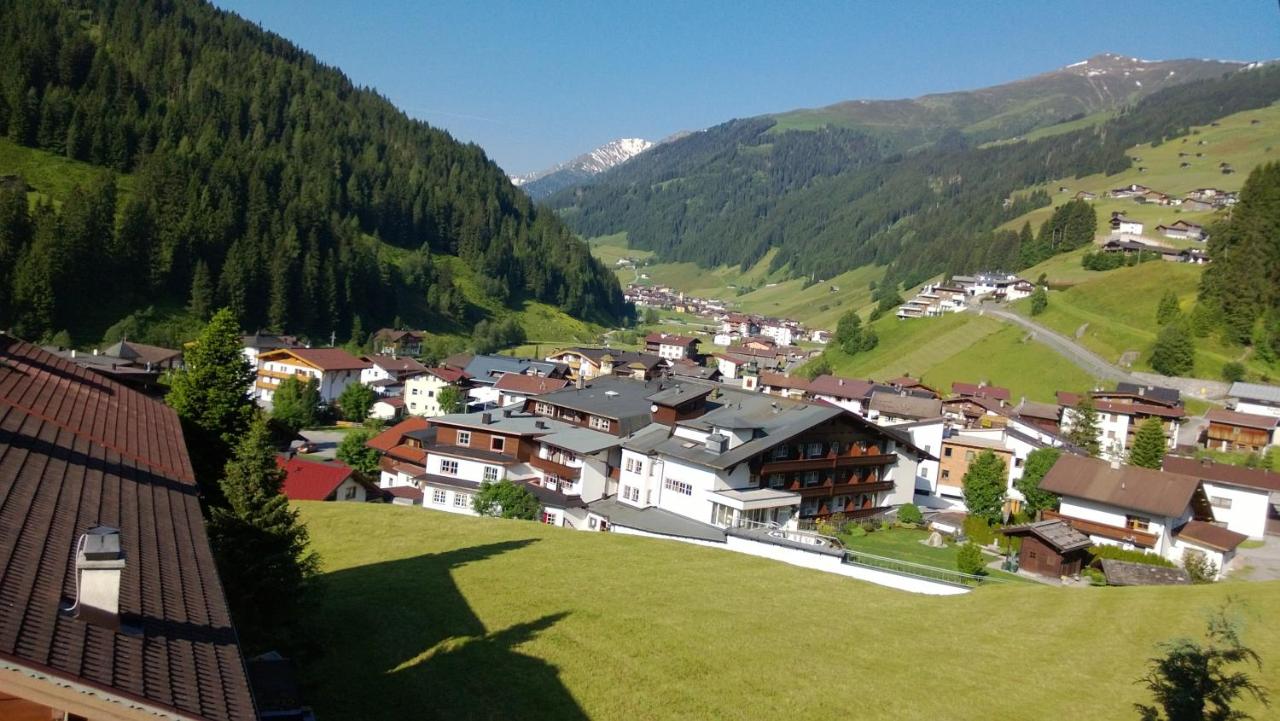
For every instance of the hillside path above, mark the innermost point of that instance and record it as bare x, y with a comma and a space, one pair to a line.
1090, 362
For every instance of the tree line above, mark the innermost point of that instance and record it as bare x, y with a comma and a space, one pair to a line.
261, 180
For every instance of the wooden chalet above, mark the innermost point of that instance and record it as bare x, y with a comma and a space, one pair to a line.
1050, 548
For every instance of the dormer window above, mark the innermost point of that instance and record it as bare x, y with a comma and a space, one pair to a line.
464, 438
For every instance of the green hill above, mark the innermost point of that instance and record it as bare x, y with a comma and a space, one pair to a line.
256, 178
438, 616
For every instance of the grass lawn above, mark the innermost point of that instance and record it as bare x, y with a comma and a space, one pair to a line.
904, 544
53, 176
429, 615
1008, 358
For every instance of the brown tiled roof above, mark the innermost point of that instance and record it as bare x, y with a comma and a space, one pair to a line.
448, 375
905, 406
529, 385
399, 364
393, 436
1128, 487
1127, 409
1245, 420
141, 353
1207, 534
1207, 470
979, 390
838, 387
1031, 409
669, 339
326, 359
782, 380
78, 450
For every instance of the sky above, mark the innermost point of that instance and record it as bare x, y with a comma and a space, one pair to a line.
537, 82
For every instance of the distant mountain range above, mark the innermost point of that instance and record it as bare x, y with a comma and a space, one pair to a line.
572, 172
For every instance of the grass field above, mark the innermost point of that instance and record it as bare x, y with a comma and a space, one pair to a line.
962, 347
52, 176
1235, 140
429, 615
1119, 308
907, 544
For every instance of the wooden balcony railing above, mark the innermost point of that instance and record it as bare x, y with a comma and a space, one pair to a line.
829, 461
836, 489
1115, 533
546, 465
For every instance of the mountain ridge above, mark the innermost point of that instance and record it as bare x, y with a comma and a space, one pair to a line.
543, 183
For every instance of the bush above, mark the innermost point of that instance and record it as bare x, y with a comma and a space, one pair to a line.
1199, 567
1096, 577
910, 513
1133, 555
971, 561
977, 530
855, 530
1232, 372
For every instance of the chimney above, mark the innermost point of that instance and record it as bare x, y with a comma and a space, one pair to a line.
506, 412
486, 418
717, 443
540, 425
579, 383
73, 352
100, 563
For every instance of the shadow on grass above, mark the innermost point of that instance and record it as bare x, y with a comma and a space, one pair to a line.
401, 642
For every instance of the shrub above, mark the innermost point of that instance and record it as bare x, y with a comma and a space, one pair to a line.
977, 530
1232, 371
971, 561
1096, 577
910, 513
855, 530
1133, 555
826, 527
1199, 568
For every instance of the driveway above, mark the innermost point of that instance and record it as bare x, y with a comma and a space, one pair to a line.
325, 442
1257, 564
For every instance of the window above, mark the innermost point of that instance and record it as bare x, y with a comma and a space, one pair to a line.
631, 493
350, 493
777, 480
449, 467
438, 496
431, 393
779, 453
1017, 462
497, 444
815, 450
631, 465
414, 391
550, 518
680, 487
811, 478
721, 515
464, 438
461, 500
946, 452
491, 473
543, 409
1219, 502
1137, 523
945, 474
600, 423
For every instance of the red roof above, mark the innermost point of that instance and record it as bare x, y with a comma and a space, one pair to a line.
391, 437
396, 365
326, 359
448, 375
837, 387
980, 390
78, 450
669, 339
781, 380
529, 385
311, 481
1246, 420
1127, 409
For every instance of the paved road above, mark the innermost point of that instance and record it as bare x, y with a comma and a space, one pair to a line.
1258, 564
326, 442
1090, 362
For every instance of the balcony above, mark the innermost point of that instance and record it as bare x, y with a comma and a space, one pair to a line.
547, 465
1115, 533
855, 456
281, 375
835, 489
849, 511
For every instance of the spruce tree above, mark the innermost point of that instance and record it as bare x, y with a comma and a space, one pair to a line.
295, 404
849, 332
984, 486
259, 543
1148, 444
1084, 432
1034, 470
1168, 310
202, 297
1039, 300
1174, 352
211, 396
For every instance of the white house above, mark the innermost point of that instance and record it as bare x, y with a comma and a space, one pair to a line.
671, 347
333, 368
1125, 226
1256, 398
422, 391
1118, 421
258, 343
780, 332
1240, 497
850, 394
387, 373
1167, 514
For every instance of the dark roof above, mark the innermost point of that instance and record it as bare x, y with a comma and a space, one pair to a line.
905, 406
837, 387
1127, 487
655, 520
529, 385
1128, 573
77, 451
1207, 470
446, 374
1058, 534
265, 341
548, 497
1067, 398
610, 397
311, 481
1246, 420
1160, 394
411, 492
1207, 534
141, 353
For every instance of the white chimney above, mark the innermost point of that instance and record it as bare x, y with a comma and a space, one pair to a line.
100, 563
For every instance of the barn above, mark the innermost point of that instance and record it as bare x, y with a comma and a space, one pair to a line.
1050, 548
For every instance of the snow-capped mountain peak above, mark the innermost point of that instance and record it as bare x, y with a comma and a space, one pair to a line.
590, 163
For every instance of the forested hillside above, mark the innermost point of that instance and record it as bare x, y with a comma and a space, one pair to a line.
836, 199
261, 179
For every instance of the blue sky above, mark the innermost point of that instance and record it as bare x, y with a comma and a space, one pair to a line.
537, 82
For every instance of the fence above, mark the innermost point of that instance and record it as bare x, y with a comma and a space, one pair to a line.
918, 570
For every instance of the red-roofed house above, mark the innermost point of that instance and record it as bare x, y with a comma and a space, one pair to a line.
333, 368
850, 394
1235, 431
1118, 421
780, 384
403, 451
1240, 497
386, 372
422, 391
518, 387
980, 390
312, 481
671, 347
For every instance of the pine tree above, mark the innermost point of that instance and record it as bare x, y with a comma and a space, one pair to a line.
1174, 353
211, 396
849, 332
1039, 300
984, 486
259, 543
295, 404
1084, 430
202, 295
1169, 309
1148, 444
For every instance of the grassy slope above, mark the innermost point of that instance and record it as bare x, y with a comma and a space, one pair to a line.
429, 615
962, 347
52, 176
1235, 141
1119, 307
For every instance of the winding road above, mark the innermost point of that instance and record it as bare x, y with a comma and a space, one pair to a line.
1090, 362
